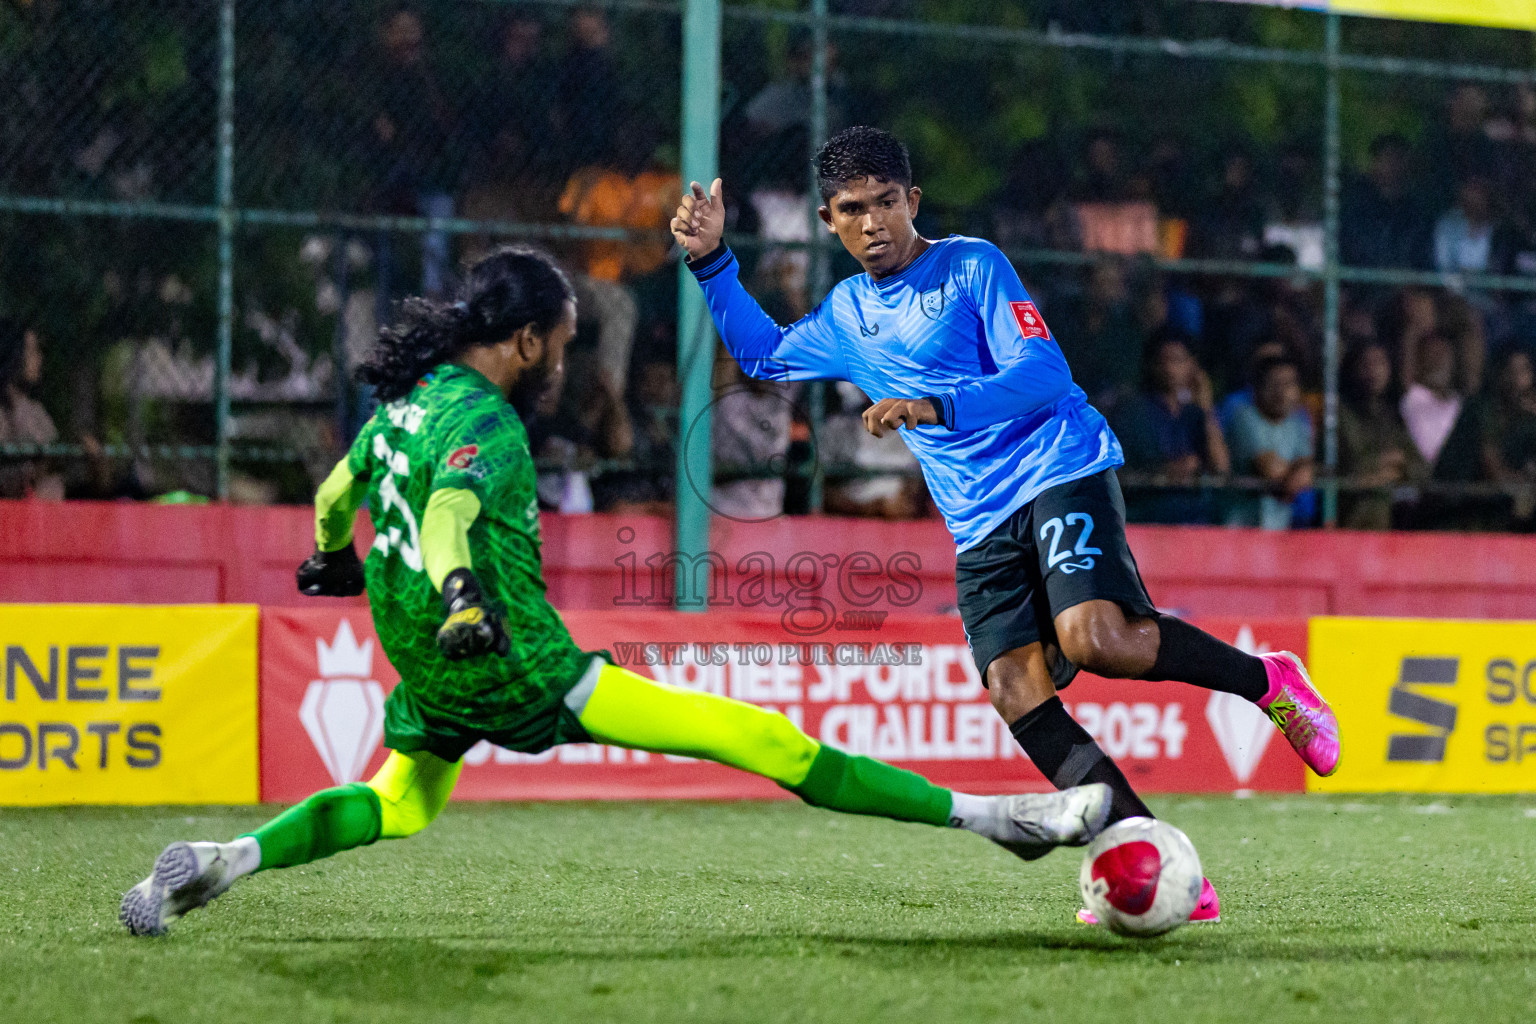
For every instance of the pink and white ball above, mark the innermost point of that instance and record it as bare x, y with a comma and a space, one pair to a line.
1141, 877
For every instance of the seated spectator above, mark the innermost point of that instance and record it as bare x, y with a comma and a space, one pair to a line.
1383, 220
1244, 314
1230, 224
1227, 408
1109, 209
1375, 448
1432, 403
1459, 144
1450, 430
1514, 255
1514, 244
1507, 425
1174, 183
1357, 325
1100, 177
749, 435
1169, 430
1295, 215
1464, 234
1267, 441
1421, 314
22, 419
1512, 132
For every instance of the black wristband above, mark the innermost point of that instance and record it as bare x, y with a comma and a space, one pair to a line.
711, 264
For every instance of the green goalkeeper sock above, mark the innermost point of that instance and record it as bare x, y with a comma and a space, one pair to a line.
327, 822
862, 785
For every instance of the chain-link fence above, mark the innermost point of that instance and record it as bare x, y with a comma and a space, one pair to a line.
209, 206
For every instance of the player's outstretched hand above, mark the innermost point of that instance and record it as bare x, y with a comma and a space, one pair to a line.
472, 627
894, 413
700, 221
331, 574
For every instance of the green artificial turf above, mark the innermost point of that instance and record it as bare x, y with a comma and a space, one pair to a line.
1394, 909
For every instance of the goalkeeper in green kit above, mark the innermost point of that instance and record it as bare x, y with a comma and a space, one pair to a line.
457, 595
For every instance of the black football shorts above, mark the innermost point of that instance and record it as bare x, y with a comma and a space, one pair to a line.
1065, 547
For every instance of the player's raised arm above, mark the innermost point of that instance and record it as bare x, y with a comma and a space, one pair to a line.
1031, 371
334, 569
806, 350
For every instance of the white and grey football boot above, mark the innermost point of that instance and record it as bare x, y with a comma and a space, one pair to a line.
1034, 824
186, 876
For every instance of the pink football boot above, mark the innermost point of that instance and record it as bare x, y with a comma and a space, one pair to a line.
1207, 911
1299, 711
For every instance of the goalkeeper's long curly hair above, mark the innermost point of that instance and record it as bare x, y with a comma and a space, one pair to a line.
502, 293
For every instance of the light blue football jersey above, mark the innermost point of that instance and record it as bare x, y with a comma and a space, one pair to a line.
956, 326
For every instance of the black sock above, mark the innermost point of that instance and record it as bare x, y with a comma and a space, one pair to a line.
1067, 755
1193, 656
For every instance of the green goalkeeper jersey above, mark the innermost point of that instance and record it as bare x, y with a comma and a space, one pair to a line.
456, 430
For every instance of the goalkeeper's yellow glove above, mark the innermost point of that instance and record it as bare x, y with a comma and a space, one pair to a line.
473, 627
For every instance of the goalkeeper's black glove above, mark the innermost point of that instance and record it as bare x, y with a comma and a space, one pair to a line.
331, 574
473, 627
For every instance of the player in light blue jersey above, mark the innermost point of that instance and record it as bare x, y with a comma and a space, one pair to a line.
945, 339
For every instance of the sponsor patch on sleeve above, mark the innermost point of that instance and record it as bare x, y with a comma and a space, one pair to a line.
463, 457
1031, 323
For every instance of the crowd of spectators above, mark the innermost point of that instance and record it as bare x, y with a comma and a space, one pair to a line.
1212, 380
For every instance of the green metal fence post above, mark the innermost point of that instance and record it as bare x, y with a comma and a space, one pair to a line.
226, 203
1331, 276
816, 282
695, 333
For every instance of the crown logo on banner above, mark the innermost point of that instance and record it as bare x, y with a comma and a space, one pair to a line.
343, 710
344, 656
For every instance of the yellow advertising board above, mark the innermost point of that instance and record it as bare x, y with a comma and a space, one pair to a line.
1496, 13
1493, 13
125, 704
1428, 706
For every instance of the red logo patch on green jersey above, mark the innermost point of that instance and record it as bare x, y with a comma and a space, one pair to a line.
463, 457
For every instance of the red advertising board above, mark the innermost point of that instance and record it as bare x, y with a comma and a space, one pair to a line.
905, 691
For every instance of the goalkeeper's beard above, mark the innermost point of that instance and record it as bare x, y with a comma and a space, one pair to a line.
530, 390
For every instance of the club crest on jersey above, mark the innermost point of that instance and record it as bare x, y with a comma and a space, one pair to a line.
1031, 323
933, 302
462, 458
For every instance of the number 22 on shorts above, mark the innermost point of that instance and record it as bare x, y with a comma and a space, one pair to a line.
1054, 529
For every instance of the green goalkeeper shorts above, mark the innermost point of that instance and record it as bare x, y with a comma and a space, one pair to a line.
410, 725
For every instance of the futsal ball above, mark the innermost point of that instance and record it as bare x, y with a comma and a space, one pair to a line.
1141, 877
